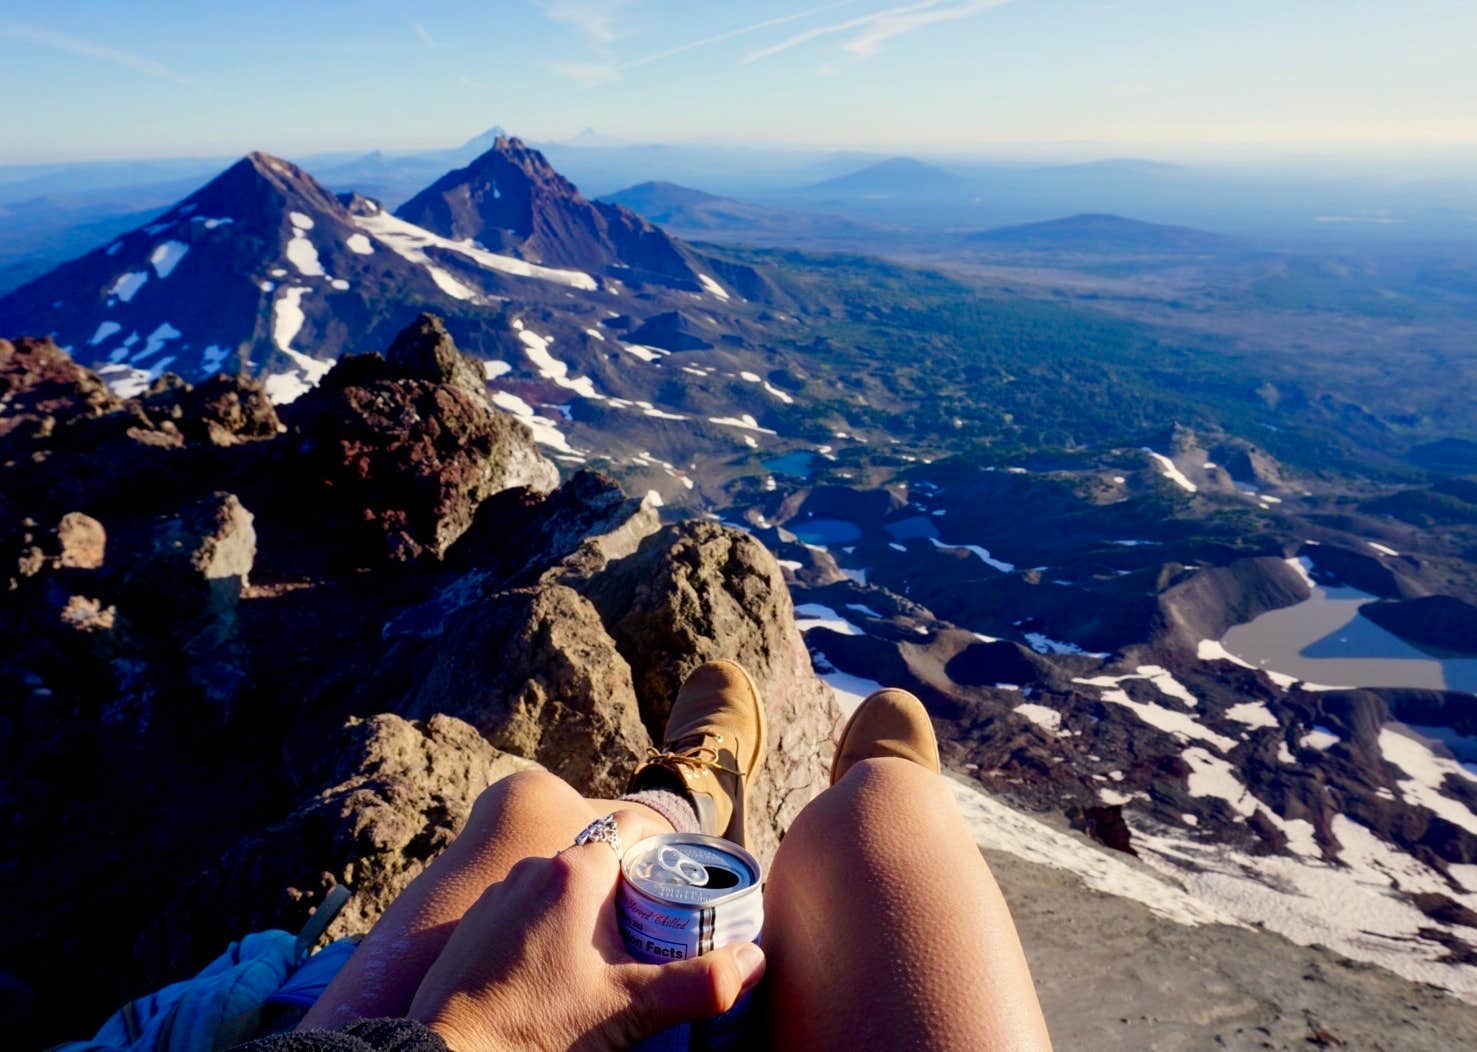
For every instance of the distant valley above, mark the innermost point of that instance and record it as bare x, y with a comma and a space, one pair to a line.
1046, 471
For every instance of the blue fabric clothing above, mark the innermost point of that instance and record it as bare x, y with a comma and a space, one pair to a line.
224, 1004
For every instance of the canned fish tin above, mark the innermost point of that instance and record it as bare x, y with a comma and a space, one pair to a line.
682, 895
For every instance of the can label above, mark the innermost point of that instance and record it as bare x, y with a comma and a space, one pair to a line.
682, 895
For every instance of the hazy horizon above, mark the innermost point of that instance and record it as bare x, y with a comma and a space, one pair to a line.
1254, 82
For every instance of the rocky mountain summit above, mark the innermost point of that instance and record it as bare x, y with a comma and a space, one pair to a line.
283, 649
510, 199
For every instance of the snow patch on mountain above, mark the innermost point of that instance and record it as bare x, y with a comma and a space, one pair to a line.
360, 244
1425, 775
288, 317
105, 330
125, 381
982, 553
646, 354
848, 690
1168, 469
1046, 718
301, 252
410, 242
1253, 714
545, 432
157, 340
536, 347
713, 287
745, 422
166, 256
1358, 908
127, 285
817, 615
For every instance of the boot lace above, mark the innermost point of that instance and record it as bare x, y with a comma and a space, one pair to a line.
703, 755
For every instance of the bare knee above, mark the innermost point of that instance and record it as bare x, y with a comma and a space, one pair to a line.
884, 789
532, 793
879, 804
894, 780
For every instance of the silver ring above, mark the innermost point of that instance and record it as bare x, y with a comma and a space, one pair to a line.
605, 831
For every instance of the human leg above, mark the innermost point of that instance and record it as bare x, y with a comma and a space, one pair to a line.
714, 742
884, 927
533, 813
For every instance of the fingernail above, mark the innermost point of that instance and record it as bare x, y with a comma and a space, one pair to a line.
750, 960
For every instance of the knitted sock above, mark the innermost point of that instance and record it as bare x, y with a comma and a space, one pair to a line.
674, 807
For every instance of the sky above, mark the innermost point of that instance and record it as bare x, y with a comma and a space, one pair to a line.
146, 78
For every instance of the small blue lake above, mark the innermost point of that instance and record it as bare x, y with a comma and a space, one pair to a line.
825, 531
797, 463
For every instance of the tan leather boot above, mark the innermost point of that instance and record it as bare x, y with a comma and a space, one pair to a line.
714, 743
890, 722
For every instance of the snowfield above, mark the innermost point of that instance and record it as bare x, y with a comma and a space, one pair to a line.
713, 287
127, 285
545, 432
410, 242
815, 615
1168, 470
166, 256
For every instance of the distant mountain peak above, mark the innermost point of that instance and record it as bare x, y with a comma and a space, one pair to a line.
590, 137
895, 175
257, 180
1102, 232
511, 199
484, 141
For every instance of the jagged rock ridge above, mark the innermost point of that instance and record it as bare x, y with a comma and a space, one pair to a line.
173, 619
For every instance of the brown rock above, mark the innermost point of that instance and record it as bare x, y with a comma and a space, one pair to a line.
695, 592
424, 350
82, 540
40, 384
407, 460
535, 672
224, 410
397, 793
202, 556
88, 615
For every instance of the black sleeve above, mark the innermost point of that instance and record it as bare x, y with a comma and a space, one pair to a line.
367, 1035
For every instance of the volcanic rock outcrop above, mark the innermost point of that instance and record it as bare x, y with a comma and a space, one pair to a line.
277, 656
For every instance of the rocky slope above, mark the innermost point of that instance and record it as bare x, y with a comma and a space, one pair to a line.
1073, 659
385, 599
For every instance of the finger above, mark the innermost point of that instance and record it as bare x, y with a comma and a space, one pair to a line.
631, 827
664, 995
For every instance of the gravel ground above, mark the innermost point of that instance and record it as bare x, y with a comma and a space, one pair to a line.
1113, 976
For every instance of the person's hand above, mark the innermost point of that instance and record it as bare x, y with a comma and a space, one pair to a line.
538, 963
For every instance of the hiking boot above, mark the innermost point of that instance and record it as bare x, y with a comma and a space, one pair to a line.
714, 743
890, 722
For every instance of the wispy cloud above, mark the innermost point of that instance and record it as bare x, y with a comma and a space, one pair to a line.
424, 33
868, 33
596, 19
592, 73
91, 49
718, 38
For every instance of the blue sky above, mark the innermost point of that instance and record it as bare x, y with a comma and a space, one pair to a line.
144, 77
